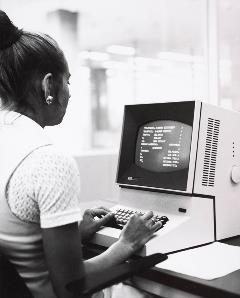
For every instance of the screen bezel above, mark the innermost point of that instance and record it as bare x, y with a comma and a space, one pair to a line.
134, 117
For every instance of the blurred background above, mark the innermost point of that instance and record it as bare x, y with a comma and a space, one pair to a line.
135, 51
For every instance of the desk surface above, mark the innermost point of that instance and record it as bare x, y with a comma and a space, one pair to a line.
226, 286
168, 284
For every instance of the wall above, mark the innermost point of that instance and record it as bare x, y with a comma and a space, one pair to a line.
97, 174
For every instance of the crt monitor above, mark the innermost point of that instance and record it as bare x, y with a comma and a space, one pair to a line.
156, 145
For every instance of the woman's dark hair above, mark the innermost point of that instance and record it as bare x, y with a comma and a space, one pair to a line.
24, 60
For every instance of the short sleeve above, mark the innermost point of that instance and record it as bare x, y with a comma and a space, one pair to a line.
56, 184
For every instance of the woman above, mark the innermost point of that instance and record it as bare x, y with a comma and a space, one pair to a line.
39, 186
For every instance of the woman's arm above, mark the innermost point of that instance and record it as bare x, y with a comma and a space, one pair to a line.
63, 252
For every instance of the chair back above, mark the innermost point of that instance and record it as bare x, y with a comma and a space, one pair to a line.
11, 284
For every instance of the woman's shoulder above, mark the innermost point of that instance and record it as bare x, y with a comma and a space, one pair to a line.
50, 158
52, 153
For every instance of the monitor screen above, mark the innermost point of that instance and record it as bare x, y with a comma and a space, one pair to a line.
156, 146
163, 146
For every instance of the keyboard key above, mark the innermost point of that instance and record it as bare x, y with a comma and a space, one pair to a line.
122, 216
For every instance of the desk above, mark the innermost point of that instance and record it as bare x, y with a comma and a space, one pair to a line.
168, 284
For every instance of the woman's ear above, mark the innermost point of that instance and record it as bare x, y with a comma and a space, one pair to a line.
47, 85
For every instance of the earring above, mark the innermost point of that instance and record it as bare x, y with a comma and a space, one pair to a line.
49, 99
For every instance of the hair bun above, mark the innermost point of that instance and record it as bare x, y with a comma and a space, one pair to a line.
9, 33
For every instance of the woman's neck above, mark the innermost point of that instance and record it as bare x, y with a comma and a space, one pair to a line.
37, 117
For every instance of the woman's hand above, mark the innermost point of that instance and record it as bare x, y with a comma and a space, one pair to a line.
139, 230
90, 225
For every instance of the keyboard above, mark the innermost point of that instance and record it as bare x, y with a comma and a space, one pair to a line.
122, 215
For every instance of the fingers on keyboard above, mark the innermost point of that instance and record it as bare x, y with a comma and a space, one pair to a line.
156, 226
148, 215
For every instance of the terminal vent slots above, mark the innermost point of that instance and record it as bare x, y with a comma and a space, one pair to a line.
210, 155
